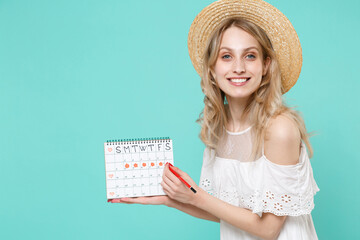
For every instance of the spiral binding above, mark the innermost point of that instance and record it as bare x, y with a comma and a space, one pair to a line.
137, 140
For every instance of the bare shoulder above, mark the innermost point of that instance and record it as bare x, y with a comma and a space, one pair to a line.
282, 141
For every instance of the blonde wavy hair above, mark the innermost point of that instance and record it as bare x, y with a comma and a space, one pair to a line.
265, 103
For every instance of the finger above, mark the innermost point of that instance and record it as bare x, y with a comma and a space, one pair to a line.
141, 200
118, 201
176, 169
166, 187
166, 169
171, 176
169, 193
183, 175
171, 183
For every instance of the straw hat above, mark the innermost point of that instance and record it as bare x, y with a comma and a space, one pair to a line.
282, 34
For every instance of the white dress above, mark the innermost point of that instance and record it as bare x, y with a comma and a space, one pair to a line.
260, 186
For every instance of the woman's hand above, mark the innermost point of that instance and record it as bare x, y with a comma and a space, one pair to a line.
176, 189
154, 200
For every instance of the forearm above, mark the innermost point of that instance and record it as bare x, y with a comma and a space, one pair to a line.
239, 217
192, 210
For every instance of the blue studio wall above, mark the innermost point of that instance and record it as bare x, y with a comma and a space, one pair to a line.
74, 74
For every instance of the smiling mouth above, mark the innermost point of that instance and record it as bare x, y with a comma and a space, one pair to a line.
238, 80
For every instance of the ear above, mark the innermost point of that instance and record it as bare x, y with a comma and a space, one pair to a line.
267, 62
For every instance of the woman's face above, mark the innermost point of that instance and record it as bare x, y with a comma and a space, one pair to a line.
239, 67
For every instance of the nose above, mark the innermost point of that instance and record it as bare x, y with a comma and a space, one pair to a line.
238, 66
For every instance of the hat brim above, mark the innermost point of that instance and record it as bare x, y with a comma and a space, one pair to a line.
277, 26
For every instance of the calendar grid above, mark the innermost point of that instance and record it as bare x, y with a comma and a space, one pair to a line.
134, 167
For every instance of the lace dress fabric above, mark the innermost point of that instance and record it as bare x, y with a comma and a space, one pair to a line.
260, 186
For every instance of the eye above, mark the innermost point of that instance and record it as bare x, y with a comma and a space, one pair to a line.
226, 56
251, 56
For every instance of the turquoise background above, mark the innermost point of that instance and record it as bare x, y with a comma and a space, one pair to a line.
76, 73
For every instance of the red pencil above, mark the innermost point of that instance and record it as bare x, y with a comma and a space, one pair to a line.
180, 178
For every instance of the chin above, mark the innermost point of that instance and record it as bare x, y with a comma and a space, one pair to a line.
239, 94
238, 97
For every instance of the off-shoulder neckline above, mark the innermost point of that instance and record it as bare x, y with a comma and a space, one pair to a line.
264, 158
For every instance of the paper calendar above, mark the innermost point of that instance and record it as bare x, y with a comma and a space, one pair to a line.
134, 167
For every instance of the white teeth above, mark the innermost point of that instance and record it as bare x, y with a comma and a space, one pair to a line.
238, 80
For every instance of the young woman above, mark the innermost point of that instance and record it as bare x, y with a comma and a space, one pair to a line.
256, 178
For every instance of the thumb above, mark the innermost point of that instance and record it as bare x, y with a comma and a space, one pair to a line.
184, 175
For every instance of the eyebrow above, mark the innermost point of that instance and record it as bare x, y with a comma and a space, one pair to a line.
245, 49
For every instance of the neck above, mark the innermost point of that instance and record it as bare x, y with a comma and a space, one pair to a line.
236, 117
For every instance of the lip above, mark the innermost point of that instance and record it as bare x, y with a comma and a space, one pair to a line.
237, 78
238, 84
